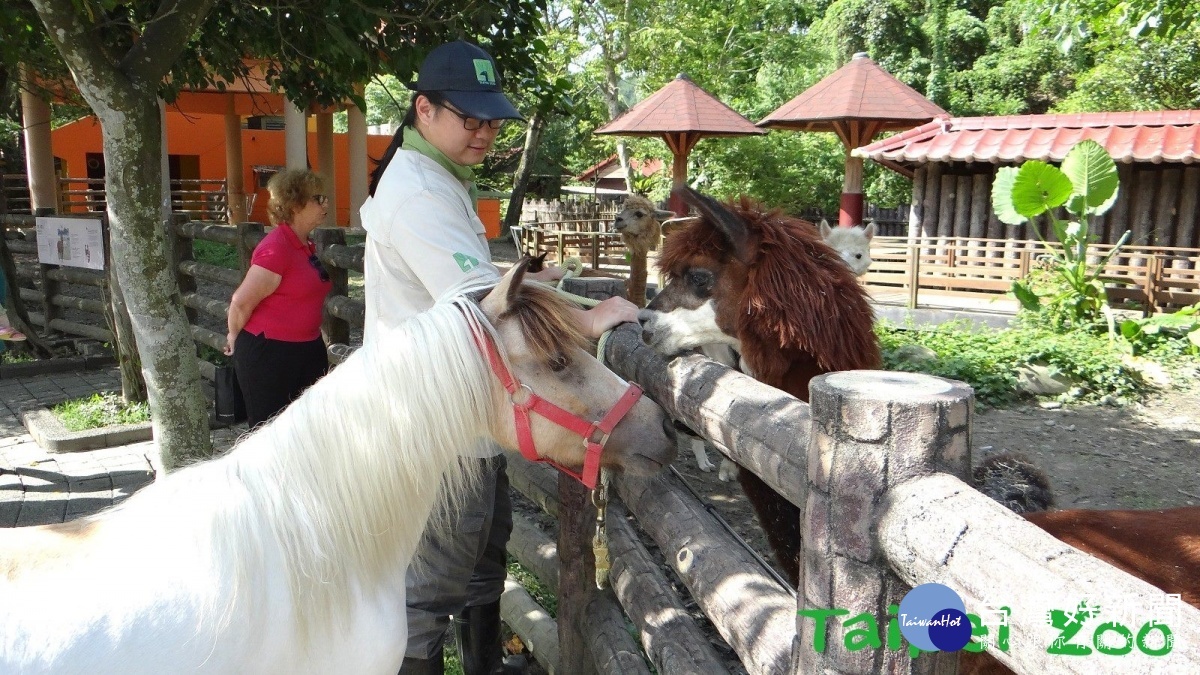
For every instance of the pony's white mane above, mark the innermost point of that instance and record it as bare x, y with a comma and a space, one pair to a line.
344, 479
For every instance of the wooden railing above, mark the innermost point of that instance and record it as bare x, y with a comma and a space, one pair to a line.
1153, 277
199, 199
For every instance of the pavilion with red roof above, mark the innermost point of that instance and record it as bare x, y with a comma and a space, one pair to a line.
953, 162
857, 102
681, 113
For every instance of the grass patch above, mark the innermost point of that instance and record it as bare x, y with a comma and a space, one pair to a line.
100, 410
540, 593
215, 253
988, 360
16, 356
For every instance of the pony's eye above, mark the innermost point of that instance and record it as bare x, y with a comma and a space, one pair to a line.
559, 363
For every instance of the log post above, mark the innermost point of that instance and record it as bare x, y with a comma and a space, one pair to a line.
576, 574
871, 430
334, 330
248, 236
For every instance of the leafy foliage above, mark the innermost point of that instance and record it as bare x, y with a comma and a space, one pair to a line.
988, 360
1086, 186
1165, 335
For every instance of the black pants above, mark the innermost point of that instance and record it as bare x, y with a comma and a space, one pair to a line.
273, 373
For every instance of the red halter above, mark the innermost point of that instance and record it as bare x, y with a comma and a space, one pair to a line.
594, 434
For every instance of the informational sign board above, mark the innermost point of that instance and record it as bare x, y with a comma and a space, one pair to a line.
72, 242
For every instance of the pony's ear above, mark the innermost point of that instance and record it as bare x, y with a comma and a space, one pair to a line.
505, 292
869, 232
719, 215
825, 229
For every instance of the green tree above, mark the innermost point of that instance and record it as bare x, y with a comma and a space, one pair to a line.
124, 55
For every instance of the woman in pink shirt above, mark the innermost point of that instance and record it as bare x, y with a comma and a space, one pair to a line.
275, 315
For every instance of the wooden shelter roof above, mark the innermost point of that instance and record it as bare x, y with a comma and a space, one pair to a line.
680, 107
858, 91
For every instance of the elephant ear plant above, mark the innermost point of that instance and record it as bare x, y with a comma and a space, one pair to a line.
1086, 186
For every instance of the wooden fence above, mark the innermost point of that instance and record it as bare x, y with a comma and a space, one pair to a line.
198, 199
877, 465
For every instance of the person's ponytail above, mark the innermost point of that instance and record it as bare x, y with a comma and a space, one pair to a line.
410, 120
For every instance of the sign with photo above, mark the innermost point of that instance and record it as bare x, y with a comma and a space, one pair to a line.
71, 242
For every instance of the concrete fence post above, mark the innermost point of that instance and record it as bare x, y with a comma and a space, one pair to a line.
335, 330
872, 430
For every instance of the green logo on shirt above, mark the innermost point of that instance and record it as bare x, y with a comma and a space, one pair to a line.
465, 262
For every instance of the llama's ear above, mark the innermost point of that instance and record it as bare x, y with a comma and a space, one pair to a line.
869, 232
725, 220
661, 215
505, 292
825, 229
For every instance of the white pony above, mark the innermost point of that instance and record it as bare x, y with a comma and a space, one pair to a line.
853, 244
287, 555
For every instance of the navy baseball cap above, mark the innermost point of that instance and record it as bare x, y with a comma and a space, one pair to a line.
466, 76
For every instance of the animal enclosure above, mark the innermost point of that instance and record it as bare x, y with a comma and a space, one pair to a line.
876, 462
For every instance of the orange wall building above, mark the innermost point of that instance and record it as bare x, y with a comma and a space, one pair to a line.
196, 147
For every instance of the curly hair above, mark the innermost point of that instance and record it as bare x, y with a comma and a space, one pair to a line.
291, 189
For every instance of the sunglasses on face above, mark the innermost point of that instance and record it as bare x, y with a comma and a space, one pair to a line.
316, 263
472, 124
321, 200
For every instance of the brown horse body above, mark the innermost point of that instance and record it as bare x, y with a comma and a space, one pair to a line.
766, 285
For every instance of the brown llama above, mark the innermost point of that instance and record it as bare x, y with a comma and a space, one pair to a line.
640, 226
764, 287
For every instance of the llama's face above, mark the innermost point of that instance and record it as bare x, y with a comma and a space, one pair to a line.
698, 306
639, 222
547, 354
853, 244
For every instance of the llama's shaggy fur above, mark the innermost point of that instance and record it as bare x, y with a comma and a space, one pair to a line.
853, 244
782, 300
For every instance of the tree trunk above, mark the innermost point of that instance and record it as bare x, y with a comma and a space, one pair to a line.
612, 100
533, 138
132, 134
129, 362
122, 91
18, 317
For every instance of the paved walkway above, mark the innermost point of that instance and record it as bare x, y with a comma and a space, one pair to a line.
38, 487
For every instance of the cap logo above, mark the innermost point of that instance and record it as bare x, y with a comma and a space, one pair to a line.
484, 71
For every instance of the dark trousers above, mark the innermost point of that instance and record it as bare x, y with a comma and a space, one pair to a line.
466, 567
273, 373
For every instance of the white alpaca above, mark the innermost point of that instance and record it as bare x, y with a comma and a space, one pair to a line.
853, 244
288, 554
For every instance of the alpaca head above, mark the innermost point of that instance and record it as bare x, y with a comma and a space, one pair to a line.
640, 223
853, 244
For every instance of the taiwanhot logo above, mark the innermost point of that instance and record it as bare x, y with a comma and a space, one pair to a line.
934, 618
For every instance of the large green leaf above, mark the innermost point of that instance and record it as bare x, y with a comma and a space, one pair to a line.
1038, 188
1093, 176
1002, 203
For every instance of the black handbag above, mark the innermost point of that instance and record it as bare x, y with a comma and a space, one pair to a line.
231, 407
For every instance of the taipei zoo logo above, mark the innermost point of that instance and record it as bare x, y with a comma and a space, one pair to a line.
932, 618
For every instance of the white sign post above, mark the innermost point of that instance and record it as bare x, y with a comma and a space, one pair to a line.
71, 242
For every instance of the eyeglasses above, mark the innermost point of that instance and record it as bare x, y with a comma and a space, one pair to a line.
473, 124
316, 263
321, 200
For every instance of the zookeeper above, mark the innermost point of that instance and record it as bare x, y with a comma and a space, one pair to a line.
423, 238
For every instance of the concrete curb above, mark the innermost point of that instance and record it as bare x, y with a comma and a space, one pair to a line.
45, 428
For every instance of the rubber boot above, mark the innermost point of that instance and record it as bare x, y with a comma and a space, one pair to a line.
477, 633
430, 666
